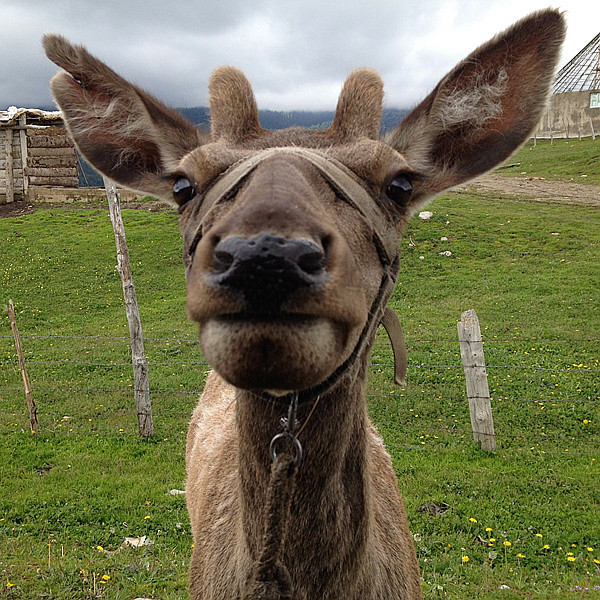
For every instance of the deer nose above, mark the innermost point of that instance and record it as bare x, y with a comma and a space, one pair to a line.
266, 269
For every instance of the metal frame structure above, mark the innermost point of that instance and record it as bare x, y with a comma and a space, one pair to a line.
582, 72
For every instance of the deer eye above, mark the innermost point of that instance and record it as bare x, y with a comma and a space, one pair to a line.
183, 190
400, 189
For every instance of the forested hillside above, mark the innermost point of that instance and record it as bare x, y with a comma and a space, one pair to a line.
271, 119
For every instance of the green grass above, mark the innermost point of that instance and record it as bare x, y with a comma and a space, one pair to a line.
71, 502
566, 160
73, 494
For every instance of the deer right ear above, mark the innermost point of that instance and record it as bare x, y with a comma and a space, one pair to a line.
358, 112
485, 108
125, 133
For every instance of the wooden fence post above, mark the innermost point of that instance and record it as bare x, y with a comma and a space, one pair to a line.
473, 360
141, 382
8, 156
24, 158
31, 407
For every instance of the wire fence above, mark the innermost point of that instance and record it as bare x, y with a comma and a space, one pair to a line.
545, 393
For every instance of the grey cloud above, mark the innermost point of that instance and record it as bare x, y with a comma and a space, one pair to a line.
296, 54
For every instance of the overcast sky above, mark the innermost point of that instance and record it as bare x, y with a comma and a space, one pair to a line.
295, 53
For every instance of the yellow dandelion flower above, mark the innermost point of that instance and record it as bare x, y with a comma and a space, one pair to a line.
596, 561
520, 555
147, 517
546, 547
105, 577
539, 535
590, 549
507, 543
488, 529
473, 520
99, 548
571, 558
465, 559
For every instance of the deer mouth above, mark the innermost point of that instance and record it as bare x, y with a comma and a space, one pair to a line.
275, 312
286, 352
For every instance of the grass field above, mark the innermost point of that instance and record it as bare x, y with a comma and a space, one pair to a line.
521, 523
562, 160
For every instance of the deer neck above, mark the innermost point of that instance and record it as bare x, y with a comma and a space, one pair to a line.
330, 509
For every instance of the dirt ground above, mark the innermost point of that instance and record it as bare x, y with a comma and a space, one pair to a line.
532, 189
528, 189
18, 209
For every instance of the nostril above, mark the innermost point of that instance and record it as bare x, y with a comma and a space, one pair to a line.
222, 260
315, 258
312, 262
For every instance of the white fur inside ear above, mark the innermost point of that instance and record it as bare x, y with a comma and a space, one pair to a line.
475, 104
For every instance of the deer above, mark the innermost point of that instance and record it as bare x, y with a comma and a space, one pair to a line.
291, 251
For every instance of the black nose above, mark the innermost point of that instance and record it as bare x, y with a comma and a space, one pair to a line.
266, 269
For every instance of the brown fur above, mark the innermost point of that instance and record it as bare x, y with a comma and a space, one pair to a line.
348, 533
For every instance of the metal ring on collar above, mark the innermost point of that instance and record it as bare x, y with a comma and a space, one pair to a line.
295, 442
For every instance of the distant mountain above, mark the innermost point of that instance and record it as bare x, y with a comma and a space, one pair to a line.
391, 118
87, 175
269, 119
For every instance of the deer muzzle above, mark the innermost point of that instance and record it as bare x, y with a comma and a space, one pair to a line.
265, 270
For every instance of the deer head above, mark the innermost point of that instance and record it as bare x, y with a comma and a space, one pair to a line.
291, 237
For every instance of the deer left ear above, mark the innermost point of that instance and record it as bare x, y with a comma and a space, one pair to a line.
233, 109
125, 133
485, 108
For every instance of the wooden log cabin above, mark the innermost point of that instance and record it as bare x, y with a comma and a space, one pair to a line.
35, 152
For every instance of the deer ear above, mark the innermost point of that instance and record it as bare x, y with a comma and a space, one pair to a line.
123, 132
485, 108
233, 110
359, 107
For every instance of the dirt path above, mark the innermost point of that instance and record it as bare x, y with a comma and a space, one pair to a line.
531, 189
18, 209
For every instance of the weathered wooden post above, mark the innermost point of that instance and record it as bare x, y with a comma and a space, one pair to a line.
141, 382
8, 168
31, 406
473, 360
24, 158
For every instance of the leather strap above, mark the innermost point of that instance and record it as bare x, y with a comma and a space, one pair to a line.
391, 322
